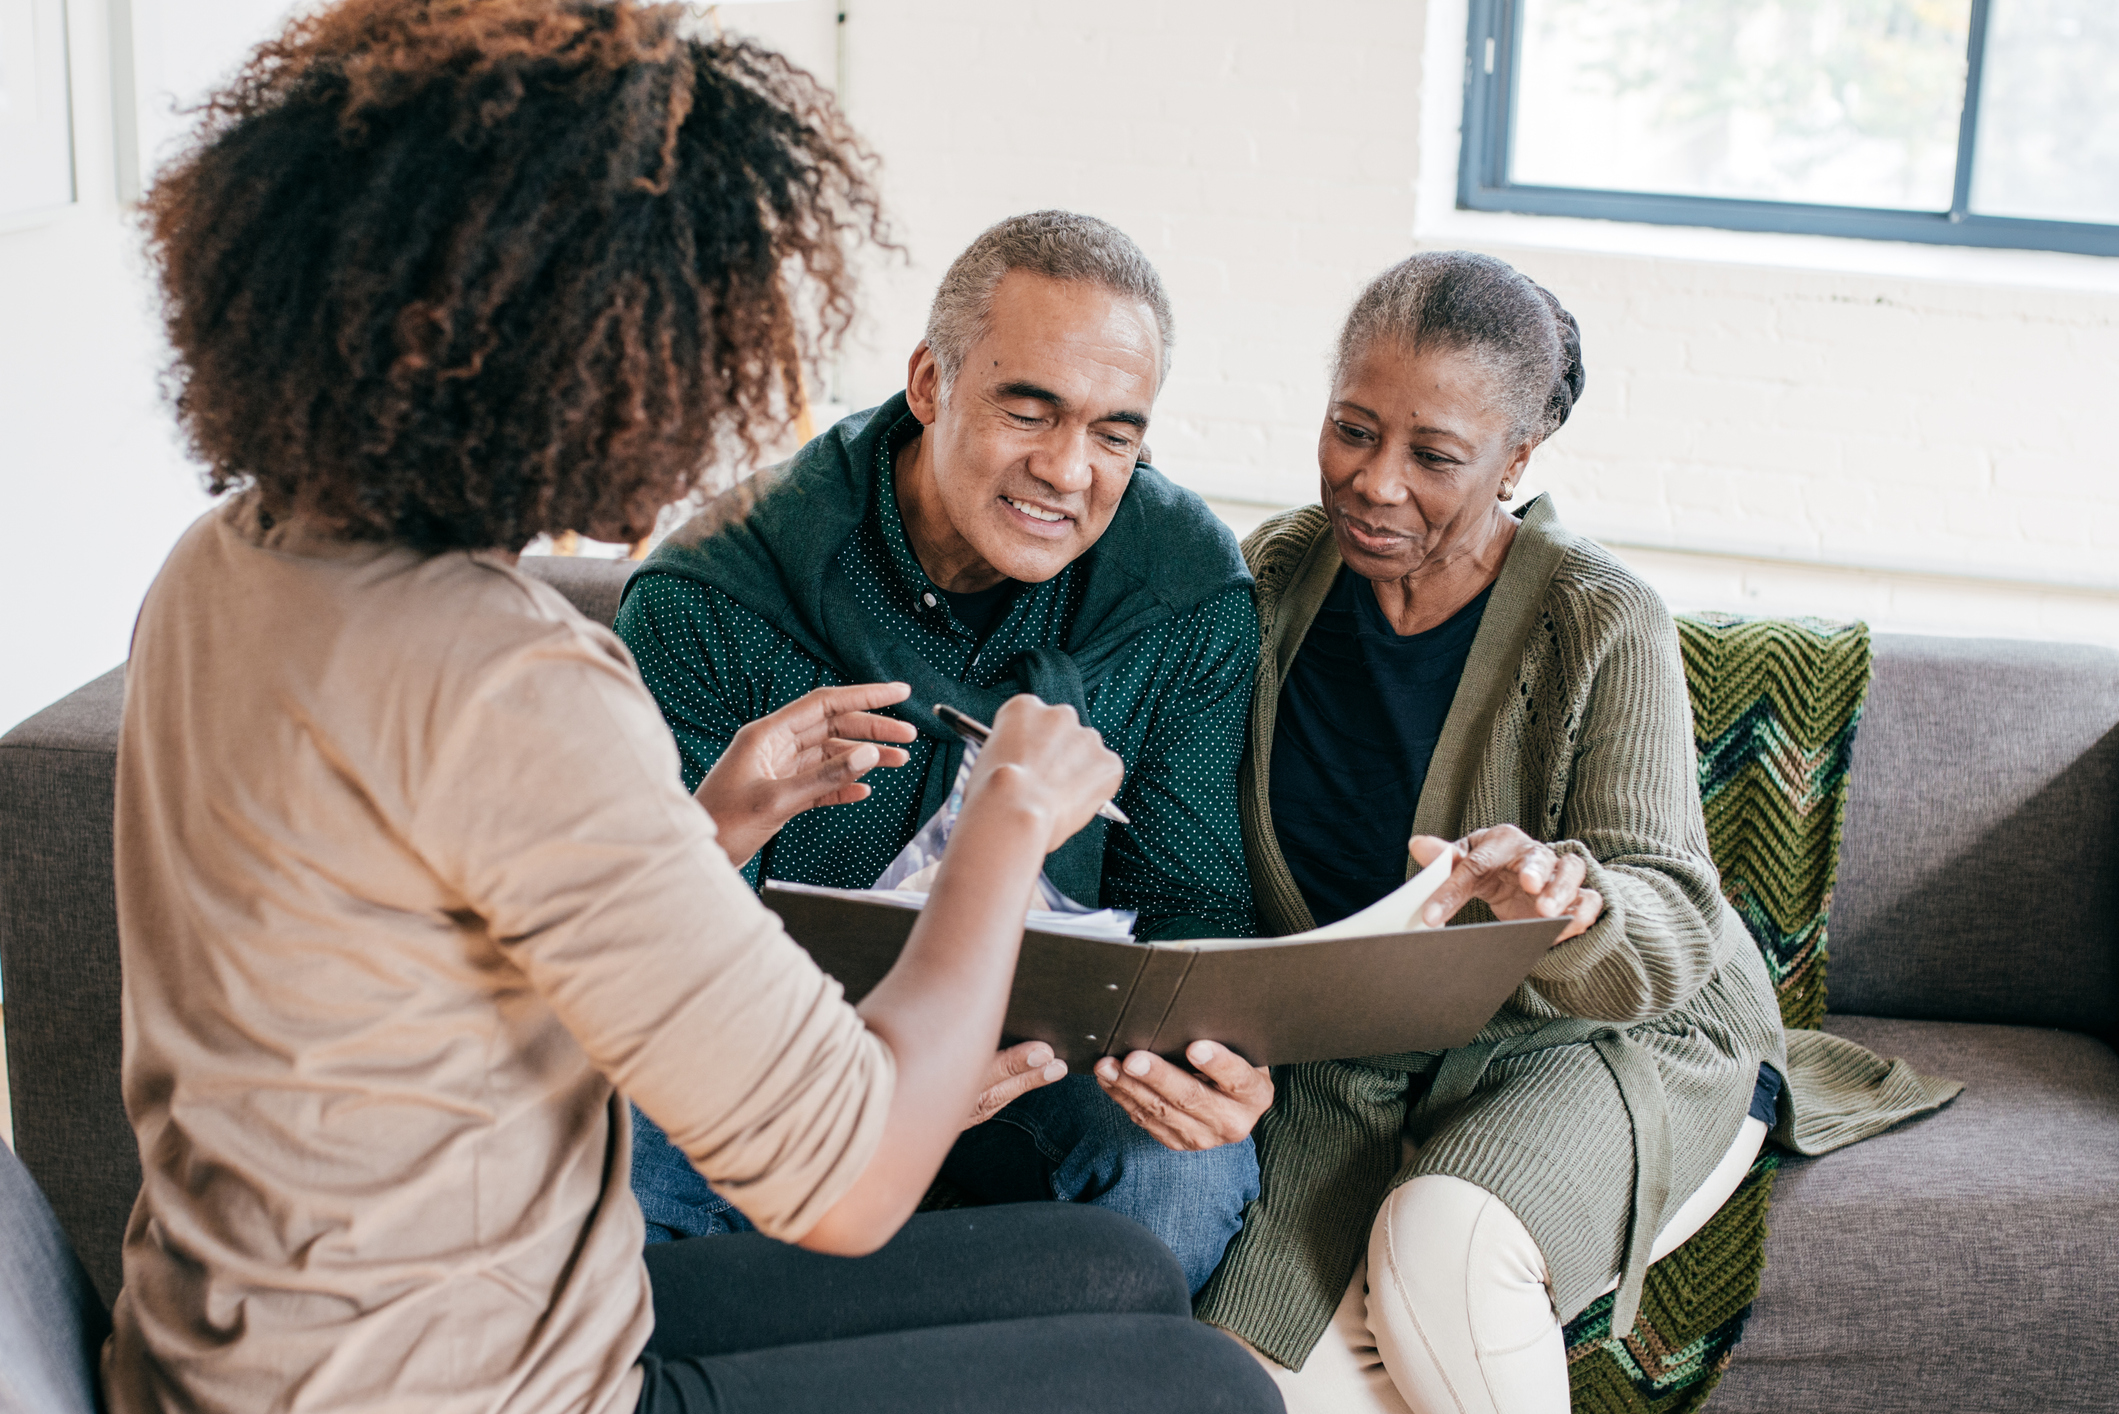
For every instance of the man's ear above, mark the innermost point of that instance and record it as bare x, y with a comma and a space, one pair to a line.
923, 384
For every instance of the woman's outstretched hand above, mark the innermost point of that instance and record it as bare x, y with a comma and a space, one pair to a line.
1217, 1105
811, 752
1516, 875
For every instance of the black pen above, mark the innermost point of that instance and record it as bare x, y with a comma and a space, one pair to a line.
972, 729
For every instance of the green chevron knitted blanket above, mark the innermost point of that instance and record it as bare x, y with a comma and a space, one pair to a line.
1774, 707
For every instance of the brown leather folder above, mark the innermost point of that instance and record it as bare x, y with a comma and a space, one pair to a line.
1274, 1001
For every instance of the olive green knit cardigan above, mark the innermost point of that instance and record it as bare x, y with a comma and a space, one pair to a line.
1572, 722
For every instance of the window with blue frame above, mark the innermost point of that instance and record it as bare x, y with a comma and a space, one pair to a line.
1958, 122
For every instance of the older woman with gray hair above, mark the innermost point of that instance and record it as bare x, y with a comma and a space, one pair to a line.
1435, 665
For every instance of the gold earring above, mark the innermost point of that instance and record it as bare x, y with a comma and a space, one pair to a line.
1508, 491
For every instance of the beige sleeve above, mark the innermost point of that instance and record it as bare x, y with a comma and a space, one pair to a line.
553, 807
1632, 815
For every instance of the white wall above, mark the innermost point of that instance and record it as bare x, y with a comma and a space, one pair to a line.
1917, 436
93, 486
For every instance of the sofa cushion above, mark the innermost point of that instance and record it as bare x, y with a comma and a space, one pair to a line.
1965, 1261
1979, 872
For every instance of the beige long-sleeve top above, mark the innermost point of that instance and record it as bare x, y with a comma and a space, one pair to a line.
409, 891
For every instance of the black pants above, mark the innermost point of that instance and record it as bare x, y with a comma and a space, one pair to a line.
1033, 1308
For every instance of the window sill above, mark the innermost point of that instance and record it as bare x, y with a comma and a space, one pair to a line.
2035, 269
37, 216
1243, 515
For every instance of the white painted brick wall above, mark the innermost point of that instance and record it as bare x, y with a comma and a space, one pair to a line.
1896, 422
1263, 162
1271, 158
1948, 436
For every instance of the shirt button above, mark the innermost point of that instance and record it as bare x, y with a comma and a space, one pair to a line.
928, 600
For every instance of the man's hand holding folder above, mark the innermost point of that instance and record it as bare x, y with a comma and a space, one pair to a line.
1215, 1103
1221, 1098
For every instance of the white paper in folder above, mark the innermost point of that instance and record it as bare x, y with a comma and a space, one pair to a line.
1396, 912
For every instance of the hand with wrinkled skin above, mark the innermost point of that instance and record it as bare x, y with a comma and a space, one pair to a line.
811, 752
1014, 1073
1214, 1104
1517, 876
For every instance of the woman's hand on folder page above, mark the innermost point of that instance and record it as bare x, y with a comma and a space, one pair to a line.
1214, 1104
1517, 876
811, 752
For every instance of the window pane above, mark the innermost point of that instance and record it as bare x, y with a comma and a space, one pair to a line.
1846, 102
2048, 141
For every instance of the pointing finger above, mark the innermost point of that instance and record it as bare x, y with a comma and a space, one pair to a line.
871, 727
885, 755
810, 717
834, 775
861, 696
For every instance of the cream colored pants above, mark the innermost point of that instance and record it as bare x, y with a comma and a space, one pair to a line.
1451, 1312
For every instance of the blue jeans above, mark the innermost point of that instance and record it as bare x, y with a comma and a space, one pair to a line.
1068, 1141
673, 1198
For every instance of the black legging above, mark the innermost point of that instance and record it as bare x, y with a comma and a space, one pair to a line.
1031, 1308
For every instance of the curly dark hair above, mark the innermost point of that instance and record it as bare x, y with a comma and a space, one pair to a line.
456, 273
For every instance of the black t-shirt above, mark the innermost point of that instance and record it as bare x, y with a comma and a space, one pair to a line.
981, 609
1359, 718
1360, 714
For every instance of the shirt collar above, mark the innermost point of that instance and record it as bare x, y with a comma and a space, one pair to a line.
890, 521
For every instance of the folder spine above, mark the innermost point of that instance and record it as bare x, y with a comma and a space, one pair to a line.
1155, 991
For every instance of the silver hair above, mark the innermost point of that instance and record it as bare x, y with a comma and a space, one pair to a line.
1487, 310
1060, 245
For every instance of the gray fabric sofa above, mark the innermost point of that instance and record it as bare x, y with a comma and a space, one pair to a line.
1965, 1262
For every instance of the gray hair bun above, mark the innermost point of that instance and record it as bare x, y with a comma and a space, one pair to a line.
1567, 388
1486, 309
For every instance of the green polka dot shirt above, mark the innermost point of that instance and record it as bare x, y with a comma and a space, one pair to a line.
1173, 707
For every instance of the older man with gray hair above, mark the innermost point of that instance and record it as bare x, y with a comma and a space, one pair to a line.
993, 529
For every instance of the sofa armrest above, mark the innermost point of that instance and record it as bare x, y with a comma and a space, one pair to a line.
592, 586
59, 959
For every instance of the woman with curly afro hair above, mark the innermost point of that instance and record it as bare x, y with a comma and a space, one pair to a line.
409, 888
